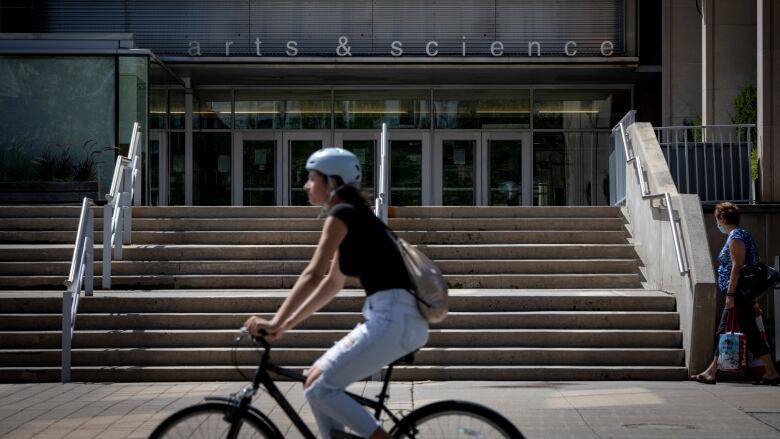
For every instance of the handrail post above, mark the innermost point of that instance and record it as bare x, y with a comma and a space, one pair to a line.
382, 196
108, 213
89, 263
136, 171
67, 305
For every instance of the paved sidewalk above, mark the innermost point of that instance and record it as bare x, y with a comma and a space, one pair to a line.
622, 409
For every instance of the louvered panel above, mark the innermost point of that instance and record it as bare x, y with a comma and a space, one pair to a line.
168, 26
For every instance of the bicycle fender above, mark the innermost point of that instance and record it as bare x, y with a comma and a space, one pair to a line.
252, 409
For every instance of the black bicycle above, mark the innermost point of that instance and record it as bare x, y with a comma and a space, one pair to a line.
234, 416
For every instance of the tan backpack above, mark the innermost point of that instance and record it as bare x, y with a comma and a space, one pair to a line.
429, 284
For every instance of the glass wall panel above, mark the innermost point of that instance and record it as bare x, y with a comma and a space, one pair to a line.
133, 107
283, 110
300, 150
481, 109
211, 169
505, 170
259, 172
405, 172
176, 169
212, 110
158, 109
57, 107
176, 109
458, 172
154, 172
369, 109
571, 169
579, 109
364, 150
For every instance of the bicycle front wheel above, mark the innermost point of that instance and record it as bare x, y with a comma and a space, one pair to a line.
210, 420
455, 419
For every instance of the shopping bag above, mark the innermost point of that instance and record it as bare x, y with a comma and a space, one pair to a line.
732, 354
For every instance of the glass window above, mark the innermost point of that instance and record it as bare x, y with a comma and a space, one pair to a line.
283, 110
58, 107
211, 169
158, 109
212, 110
571, 169
176, 169
458, 172
176, 109
580, 109
506, 172
369, 109
481, 109
154, 172
259, 172
405, 172
365, 151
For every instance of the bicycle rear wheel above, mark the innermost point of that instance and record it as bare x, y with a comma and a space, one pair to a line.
209, 420
455, 419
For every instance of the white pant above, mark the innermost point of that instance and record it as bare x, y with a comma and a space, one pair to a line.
393, 328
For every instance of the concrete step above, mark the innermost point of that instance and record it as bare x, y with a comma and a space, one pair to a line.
400, 373
210, 281
632, 320
297, 237
313, 224
64, 252
304, 338
118, 268
306, 356
242, 302
311, 212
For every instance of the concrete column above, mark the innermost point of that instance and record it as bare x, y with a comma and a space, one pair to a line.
768, 54
707, 61
681, 74
187, 142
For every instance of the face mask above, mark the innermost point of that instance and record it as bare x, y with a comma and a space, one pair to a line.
721, 229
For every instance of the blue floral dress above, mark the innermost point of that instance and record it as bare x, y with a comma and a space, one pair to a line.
724, 257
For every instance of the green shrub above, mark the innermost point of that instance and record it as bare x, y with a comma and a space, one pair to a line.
746, 112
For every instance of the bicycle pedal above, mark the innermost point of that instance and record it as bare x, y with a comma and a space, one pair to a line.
343, 435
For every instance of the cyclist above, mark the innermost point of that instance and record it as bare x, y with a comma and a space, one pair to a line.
354, 242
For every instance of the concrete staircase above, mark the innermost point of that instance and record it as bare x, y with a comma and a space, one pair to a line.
538, 293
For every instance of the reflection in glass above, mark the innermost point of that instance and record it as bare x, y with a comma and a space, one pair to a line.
176, 169
458, 172
158, 109
484, 109
571, 169
505, 172
283, 110
154, 172
211, 169
212, 110
300, 150
364, 150
259, 175
405, 172
576, 109
368, 110
176, 109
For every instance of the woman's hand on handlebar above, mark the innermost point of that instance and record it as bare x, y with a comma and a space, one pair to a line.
271, 328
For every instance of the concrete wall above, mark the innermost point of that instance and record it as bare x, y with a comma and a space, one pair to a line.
681, 73
695, 291
728, 56
768, 90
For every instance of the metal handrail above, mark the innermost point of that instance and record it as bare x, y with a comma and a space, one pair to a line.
380, 204
631, 156
117, 213
81, 274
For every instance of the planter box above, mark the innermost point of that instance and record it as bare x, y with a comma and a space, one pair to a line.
66, 192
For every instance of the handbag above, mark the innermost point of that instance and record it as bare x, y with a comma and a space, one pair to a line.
757, 279
429, 284
732, 348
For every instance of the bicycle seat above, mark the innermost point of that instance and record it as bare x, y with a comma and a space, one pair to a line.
406, 359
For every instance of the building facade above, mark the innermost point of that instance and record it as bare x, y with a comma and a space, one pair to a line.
505, 103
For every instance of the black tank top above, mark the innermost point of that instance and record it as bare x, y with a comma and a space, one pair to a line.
368, 252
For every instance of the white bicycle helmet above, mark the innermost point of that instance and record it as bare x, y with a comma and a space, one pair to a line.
336, 162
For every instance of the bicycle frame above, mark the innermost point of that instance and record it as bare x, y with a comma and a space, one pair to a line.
262, 377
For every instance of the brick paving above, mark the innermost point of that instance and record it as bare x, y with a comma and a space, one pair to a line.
614, 409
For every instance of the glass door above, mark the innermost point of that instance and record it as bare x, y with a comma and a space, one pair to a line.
297, 148
457, 170
365, 145
410, 164
255, 159
157, 169
506, 168
212, 169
